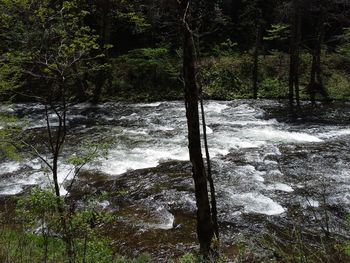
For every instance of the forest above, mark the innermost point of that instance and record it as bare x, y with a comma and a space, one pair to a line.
174, 131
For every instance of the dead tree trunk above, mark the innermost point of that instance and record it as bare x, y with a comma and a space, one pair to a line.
205, 230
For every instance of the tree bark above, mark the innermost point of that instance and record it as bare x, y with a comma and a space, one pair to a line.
312, 84
294, 91
204, 224
256, 60
297, 17
56, 142
214, 210
205, 230
105, 39
291, 80
316, 84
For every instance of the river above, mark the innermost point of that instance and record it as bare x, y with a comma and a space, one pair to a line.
264, 165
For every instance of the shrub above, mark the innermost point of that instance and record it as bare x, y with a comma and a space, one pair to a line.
37, 235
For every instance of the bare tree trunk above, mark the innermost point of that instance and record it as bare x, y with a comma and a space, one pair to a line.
205, 230
291, 80
318, 50
294, 92
257, 47
312, 84
214, 210
297, 22
105, 33
292, 55
204, 224
316, 84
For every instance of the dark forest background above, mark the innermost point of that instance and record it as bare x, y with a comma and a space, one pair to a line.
244, 48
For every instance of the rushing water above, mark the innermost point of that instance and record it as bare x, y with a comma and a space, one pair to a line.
262, 165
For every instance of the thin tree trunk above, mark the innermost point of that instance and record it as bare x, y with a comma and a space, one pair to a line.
318, 52
105, 33
214, 210
257, 47
56, 141
296, 80
291, 80
204, 224
205, 230
294, 92
297, 51
292, 55
316, 84
312, 84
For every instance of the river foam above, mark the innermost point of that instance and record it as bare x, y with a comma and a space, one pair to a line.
257, 203
275, 135
143, 135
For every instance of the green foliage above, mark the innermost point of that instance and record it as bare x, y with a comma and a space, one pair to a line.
338, 86
145, 56
219, 81
196, 258
141, 259
9, 143
229, 76
278, 31
347, 248
272, 88
38, 210
42, 40
148, 73
225, 77
10, 75
132, 17
344, 47
188, 258
347, 243
18, 246
88, 152
47, 42
225, 48
37, 204
39, 236
126, 12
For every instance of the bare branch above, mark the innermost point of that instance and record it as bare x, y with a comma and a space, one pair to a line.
38, 154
